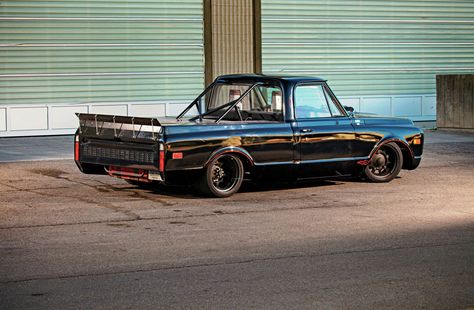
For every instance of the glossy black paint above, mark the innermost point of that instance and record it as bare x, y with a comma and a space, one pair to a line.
319, 147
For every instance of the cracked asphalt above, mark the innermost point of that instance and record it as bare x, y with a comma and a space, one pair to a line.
73, 241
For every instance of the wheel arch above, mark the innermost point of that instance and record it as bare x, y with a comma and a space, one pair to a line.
407, 152
243, 155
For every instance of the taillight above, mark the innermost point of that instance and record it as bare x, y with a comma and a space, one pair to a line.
162, 158
76, 147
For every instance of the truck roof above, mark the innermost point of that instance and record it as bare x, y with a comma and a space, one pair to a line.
262, 78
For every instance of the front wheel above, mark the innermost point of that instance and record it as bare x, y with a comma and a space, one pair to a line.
385, 164
222, 177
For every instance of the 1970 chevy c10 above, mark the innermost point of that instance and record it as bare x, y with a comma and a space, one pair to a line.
249, 127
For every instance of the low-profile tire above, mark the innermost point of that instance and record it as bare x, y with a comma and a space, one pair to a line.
222, 177
385, 164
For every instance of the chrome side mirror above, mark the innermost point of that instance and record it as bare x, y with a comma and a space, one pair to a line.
350, 110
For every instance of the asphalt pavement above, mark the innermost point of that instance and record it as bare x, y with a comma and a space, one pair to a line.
36, 148
74, 241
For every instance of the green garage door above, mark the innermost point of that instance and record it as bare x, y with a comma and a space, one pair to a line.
381, 56
67, 52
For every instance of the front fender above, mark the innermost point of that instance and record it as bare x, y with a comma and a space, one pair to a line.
410, 161
400, 141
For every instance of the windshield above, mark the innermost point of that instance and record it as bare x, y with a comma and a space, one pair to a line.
244, 102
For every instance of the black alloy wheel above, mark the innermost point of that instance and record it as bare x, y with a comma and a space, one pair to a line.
385, 164
222, 177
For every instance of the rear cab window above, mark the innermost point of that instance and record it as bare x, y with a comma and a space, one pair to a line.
264, 102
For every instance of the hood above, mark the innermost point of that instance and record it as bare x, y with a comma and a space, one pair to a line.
373, 119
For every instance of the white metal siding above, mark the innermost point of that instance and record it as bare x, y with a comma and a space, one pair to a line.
117, 56
371, 51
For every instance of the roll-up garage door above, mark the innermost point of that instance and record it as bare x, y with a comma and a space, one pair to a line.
379, 56
58, 57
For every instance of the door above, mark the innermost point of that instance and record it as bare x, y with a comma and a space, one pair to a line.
324, 132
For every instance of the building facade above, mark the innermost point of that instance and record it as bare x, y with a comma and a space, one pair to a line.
150, 57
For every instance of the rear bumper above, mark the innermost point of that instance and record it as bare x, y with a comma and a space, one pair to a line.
120, 154
122, 159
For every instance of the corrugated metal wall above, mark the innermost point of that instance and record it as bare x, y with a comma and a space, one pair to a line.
369, 48
74, 52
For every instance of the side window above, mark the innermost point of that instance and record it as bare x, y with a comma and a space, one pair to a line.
310, 102
332, 105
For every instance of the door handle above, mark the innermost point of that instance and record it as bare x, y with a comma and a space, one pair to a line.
306, 130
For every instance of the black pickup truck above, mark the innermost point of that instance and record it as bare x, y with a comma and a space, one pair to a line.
249, 127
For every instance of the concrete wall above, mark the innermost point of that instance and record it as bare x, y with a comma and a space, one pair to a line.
455, 101
231, 37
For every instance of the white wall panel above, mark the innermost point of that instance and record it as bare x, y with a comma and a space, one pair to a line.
429, 105
33, 120
65, 117
351, 102
3, 119
377, 105
148, 110
407, 106
28, 118
174, 109
115, 109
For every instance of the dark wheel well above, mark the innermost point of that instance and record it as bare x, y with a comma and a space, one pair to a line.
407, 156
248, 165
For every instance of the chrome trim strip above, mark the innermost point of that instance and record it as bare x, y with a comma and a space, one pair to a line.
322, 161
274, 163
97, 74
317, 161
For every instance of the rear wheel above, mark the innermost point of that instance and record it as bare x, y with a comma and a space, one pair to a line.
222, 177
385, 164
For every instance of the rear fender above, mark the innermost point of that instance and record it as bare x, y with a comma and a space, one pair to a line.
242, 153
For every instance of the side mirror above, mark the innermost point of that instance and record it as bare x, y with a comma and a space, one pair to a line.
349, 109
